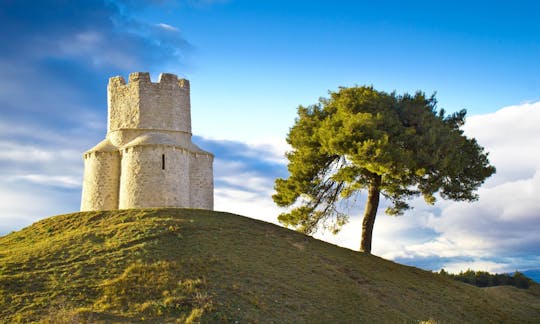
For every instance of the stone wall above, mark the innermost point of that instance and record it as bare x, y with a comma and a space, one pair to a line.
201, 181
100, 181
147, 158
146, 182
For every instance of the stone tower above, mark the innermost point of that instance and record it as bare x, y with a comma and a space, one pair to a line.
147, 158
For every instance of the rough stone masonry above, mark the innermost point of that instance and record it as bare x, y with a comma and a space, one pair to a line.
147, 158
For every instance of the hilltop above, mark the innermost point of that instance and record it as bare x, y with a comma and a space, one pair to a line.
186, 265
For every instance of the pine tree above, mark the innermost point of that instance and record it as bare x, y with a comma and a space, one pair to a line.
398, 146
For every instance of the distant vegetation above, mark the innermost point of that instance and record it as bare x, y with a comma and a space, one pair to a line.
486, 279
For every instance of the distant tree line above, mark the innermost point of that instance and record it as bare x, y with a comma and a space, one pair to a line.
486, 279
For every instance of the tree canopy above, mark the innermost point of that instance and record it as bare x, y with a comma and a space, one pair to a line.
398, 146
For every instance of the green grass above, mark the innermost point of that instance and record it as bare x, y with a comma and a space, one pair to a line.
183, 265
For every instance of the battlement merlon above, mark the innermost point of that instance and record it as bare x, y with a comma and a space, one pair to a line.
141, 103
144, 77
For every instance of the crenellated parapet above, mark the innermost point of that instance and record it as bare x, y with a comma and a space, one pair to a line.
165, 79
143, 104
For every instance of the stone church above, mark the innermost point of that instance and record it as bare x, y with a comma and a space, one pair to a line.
147, 158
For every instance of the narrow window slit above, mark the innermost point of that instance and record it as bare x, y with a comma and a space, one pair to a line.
163, 161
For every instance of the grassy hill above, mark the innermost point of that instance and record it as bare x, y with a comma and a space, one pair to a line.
167, 265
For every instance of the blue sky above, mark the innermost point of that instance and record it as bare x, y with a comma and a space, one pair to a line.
251, 63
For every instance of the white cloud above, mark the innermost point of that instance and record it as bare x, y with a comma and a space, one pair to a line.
478, 265
250, 182
245, 203
511, 135
348, 237
40, 175
244, 187
23, 203
167, 27
13, 151
95, 47
52, 180
81, 42
275, 149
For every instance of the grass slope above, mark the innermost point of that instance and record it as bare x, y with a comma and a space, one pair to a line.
167, 265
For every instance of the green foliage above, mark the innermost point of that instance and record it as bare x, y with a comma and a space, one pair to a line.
346, 143
191, 266
486, 279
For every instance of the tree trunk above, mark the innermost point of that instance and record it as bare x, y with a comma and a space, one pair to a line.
370, 213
